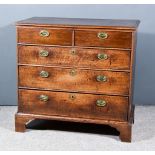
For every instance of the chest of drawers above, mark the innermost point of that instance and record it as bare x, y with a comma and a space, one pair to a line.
79, 70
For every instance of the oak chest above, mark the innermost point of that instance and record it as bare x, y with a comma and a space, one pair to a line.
79, 70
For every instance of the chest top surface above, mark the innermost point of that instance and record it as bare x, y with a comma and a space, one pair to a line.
80, 22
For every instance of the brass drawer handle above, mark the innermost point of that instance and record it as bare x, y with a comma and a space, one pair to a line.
73, 72
43, 53
43, 98
101, 103
102, 35
44, 74
44, 33
102, 56
101, 78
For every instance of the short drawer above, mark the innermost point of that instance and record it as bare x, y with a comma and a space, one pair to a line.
42, 35
103, 38
55, 78
73, 104
77, 57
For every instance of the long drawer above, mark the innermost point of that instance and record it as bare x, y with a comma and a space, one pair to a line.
76, 57
73, 104
69, 79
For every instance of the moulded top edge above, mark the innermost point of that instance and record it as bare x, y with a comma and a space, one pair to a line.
80, 23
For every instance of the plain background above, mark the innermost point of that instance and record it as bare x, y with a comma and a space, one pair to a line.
145, 56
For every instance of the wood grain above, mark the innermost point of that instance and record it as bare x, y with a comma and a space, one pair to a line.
83, 57
81, 23
82, 105
84, 80
115, 39
30, 35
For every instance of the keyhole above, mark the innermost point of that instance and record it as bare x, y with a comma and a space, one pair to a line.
72, 97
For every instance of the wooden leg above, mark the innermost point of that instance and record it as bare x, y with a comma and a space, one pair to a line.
20, 122
125, 130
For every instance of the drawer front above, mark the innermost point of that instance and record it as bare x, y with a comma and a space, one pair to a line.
41, 35
78, 57
102, 38
73, 104
55, 78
